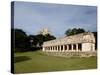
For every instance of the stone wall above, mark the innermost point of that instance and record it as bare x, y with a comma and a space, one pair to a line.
72, 54
88, 47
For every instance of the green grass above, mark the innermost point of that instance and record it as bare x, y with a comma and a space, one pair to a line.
37, 61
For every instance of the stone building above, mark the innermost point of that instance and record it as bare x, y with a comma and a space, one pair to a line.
76, 43
44, 31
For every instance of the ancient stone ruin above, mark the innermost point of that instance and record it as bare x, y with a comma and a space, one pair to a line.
80, 45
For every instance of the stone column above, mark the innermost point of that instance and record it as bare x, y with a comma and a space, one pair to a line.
63, 48
67, 48
77, 47
57, 48
93, 46
43, 48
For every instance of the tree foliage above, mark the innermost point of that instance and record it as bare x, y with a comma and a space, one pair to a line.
34, 39
39, 39
21, 40
74, 31
48, 37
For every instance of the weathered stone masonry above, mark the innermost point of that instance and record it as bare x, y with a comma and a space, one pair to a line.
84, 42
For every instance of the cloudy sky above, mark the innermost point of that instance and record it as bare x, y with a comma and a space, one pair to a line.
32, 17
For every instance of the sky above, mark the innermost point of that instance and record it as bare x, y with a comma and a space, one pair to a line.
32, 17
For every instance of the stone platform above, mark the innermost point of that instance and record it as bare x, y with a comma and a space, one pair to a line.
72, 54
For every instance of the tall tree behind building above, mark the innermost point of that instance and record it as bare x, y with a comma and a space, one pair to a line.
74, 31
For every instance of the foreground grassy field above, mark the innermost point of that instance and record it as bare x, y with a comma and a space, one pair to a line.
37, 61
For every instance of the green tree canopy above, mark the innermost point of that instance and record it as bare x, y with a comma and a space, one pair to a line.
39, 39
23, 42
74, 31
48, 37
21, 39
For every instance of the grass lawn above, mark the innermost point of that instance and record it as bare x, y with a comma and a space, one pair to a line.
37, 61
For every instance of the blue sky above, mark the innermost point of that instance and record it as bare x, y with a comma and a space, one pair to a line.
32, 17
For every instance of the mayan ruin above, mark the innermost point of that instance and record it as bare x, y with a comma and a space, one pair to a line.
84, 42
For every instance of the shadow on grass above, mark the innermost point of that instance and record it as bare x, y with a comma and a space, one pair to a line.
21, 59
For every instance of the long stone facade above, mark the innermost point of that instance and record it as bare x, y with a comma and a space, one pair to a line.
84, 42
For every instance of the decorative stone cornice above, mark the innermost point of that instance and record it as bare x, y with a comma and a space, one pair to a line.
86, 37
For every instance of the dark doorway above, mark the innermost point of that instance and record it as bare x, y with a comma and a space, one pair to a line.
74, 46
70, 47
80, 47
61, 47
65, 47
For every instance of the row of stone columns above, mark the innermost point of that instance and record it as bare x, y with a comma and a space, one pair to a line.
69, 47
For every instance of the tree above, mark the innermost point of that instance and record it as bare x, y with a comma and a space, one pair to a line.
42, 38
74, 31
20, 39
22, 42
48, 37
34, 39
